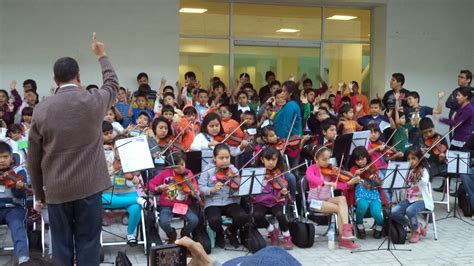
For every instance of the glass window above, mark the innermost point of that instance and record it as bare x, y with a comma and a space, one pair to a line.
205, 57
347, 62
203, 18
347, 24
275, 21
283, 61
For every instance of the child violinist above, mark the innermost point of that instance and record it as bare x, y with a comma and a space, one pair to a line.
176, 198
269, 138
418, 197
216, 183
273, 198
320, 199
367, 193
141, 127
124, 193
211, 129
437, 154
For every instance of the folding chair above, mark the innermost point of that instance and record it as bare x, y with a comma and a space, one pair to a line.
307, 212
432, 213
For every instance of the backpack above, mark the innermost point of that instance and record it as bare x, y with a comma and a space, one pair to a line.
200, 235
251, 238
302, 234
464, 201
398, 234
122, 259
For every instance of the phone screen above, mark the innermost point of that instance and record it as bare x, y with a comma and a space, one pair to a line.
168, 255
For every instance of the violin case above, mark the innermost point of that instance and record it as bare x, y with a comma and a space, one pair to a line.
200, 234
464, 201
398, 234
251, 238
302, 234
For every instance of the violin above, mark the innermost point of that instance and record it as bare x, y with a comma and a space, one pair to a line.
416, 175
370, 174
438, 147
275, 177
117, 165
293, 141
388, 150
10, 178
228, 177
344, 176
188, 186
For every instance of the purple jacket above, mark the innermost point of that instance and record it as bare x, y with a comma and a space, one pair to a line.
9, 117
465, 116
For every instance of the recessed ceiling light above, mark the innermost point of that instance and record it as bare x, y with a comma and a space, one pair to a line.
341, 17
287, 30
192, 10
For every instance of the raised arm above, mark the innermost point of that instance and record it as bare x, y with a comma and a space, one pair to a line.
439, 108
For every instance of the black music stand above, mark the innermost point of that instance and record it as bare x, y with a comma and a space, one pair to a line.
394, 180
342, 145
360, 138
458, 163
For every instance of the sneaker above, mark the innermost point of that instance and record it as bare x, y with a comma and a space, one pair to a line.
347, 232
361, 231
220, 240
415, 237
421, 229
171, 237
348, 244
274, 237
131, 240
287, 243
232, 238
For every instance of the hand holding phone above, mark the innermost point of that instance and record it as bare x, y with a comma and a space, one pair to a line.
168, 255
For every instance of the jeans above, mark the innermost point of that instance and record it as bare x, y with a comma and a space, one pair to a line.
375, 210
75, 228
468, 183
15, 217
165, 221
291, 179
127, 201
410, 210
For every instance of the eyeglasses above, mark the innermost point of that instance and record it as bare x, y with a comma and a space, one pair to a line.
461, 77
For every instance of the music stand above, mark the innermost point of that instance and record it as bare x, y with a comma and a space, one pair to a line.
341, 147
360, 138
458, 163
394, 180
251, 183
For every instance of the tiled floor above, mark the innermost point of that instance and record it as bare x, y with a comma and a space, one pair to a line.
455, 245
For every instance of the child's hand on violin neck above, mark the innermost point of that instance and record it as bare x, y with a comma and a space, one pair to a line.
218, 186
354, 181
284, 191
160, 187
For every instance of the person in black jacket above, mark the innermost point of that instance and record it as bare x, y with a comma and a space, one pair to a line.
468, 180
396, 84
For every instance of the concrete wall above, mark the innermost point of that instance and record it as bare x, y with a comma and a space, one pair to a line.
140, 35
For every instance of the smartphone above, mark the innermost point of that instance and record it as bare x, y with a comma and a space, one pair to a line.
168, 255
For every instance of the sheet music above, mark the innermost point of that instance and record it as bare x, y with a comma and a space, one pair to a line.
401, 174
383, 125
464, 161
360, 138
134, 154
246, 181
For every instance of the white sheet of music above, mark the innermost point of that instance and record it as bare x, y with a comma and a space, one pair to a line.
464, 161
134, 154
245, 181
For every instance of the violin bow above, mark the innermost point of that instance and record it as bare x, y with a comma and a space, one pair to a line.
289, 134
391, 136
287, 171
174, 140
439, 141
383, 154
233, 131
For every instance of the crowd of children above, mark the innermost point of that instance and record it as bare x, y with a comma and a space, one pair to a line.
277, 129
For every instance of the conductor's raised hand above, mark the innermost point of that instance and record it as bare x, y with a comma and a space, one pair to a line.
97, 47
